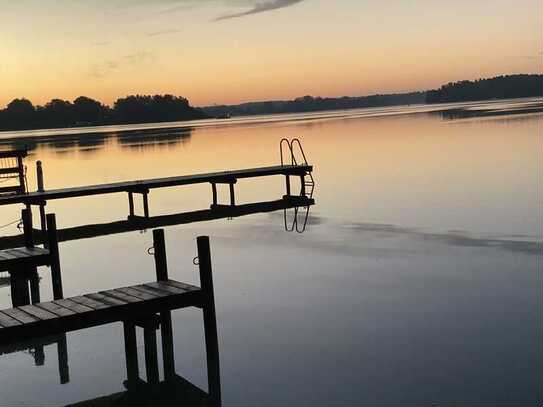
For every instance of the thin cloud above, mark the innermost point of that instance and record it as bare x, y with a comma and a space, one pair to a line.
261, 7
163, 32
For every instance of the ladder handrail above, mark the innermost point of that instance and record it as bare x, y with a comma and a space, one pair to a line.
297, 141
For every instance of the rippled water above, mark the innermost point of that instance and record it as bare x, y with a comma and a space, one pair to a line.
417, 280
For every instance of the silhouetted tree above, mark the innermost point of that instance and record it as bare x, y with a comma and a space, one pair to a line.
89, 111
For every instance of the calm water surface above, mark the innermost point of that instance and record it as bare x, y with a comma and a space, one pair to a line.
417, 281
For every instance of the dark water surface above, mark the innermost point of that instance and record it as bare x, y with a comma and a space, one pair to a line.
417, 281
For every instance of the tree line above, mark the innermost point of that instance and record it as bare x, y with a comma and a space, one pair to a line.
499, 87
21, 114
313, 104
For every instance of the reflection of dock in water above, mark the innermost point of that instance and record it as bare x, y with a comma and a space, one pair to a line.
142, 223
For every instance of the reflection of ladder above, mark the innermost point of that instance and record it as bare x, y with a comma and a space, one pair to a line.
308, 183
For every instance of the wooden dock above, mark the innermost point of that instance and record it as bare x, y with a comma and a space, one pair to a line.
85, 311
147, 306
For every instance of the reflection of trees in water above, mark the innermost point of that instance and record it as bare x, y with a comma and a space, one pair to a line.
142, 140
467, 113
89, 143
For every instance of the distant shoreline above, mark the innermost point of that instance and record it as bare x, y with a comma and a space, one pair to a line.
448, 110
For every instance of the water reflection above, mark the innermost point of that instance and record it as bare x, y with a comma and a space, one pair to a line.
299, 204
88, 143
490, 110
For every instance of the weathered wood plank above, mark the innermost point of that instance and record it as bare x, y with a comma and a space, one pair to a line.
137, 294
165, 287
121, 296
89, 302
105, 299
73, 306
20, 315
184, 286
150, 290
38, 312
6, 321
55, 309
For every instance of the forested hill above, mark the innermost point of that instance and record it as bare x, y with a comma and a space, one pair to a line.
500, 87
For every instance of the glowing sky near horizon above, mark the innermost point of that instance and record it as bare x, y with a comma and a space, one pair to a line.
230, 51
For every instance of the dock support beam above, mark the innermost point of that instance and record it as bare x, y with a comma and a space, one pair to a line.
287, 181
146, 204
210, 320
131, 204
56, 275
232, 195
166, 329
131, 353
214, 191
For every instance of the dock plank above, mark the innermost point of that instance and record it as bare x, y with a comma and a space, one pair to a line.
150, 290
89, 302
120, 296
20, 315
139, 294
178, 284
73, 306
165, 287
6, 321
55, 309
105, 299
38, 312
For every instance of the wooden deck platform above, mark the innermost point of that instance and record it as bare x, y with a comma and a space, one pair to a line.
85, 311
141, 186
23, 257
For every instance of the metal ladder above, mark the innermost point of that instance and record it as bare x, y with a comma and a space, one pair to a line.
308, 187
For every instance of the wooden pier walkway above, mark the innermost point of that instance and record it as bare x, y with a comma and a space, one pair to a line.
85, 311
144, 186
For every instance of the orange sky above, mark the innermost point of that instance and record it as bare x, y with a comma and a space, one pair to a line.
107, 49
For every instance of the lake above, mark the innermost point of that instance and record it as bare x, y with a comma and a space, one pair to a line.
417, 280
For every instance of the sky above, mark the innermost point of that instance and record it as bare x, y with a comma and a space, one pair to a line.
232, 51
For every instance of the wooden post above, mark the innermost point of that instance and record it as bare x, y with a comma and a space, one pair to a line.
26, 216
22, 278
39, 355
19, 288
63, 368
130, 204
131, 354
56, 275
161, 263
210, 320
34, 287
232, 195
151, 354
146, 204
166, 331
214, 190
41, 188
302, 181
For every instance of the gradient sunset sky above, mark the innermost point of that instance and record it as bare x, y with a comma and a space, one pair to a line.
230, 51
